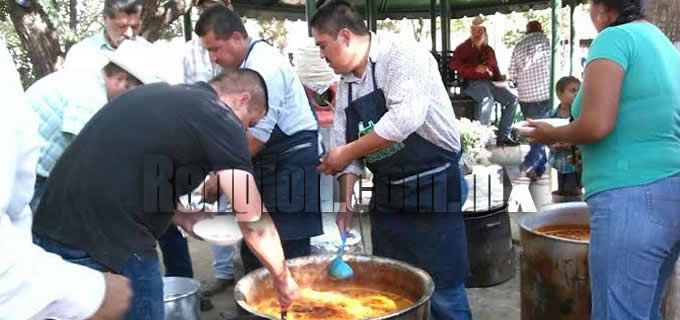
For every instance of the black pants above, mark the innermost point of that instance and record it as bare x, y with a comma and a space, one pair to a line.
176, 258
569, 182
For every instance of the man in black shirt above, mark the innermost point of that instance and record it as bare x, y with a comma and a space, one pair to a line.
114, 190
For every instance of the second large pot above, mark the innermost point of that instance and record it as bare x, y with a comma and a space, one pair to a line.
555, 282
370, 272
490, 250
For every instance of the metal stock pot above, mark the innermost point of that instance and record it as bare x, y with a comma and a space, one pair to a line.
181, 301
555, 281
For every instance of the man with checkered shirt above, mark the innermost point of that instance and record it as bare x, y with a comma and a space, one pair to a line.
530, 71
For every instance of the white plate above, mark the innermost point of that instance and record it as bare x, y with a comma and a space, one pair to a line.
523, 126
221, 230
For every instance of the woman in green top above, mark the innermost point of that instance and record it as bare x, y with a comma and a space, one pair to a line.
627, 121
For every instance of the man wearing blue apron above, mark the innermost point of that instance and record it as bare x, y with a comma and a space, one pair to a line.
394, 116
285, 144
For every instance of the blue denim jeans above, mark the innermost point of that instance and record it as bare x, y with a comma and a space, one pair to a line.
536, 158
175, 250
143, 272
486, 94
635, 241
450, 304
223, 263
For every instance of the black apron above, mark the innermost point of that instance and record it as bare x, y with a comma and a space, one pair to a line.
286, 176
416, 201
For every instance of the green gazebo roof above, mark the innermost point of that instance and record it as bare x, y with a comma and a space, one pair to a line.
395, 9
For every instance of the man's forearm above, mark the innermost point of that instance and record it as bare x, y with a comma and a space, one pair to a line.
263, 240
254, 221
369, 143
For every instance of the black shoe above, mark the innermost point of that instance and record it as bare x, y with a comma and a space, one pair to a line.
506, 142
219, 286
205, 304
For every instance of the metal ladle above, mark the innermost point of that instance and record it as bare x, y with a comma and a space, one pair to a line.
339, 269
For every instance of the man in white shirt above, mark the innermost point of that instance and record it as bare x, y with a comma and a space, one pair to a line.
122, 21
35, 284
196, 61
285, 144
530, 70
394, 116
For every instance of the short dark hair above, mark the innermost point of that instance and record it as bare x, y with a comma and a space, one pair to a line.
334, 15
534, 26
232, 81
111, 7
221, 21
566, 81
629, 10
111, 68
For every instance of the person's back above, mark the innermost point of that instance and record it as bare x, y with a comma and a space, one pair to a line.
530, 68
104, 188
64, 101
287, 96
286, 165
644, 145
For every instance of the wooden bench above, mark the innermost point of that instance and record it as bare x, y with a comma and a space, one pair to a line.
463, 105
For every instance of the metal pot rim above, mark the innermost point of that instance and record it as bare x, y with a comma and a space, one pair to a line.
427, 294
522, 220
183, 295
478, 215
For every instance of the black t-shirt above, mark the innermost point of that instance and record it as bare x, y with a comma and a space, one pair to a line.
112, 192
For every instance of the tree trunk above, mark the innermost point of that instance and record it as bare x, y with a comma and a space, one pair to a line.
666, 15
155, 19
38, 37
72, 21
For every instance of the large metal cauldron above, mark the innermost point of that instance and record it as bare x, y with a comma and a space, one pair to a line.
489, 243
554, 271
370, 272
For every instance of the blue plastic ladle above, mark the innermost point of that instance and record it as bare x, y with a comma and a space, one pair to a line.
339, 269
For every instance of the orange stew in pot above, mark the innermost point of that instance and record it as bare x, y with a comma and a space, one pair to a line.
337, 304
568, 231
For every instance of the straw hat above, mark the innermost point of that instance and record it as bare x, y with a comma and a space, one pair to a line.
137, 60
478, 21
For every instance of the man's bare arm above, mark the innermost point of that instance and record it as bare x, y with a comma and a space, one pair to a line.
258, 229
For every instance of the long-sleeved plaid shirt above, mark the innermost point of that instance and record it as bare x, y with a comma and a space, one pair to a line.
530, 68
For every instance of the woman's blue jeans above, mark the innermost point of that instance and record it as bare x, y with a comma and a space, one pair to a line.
635, 241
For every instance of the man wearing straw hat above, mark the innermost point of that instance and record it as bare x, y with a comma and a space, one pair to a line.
66, 100
476, 61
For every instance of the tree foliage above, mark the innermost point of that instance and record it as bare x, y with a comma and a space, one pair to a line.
39, 34
666, 15
513, 36
273, 31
